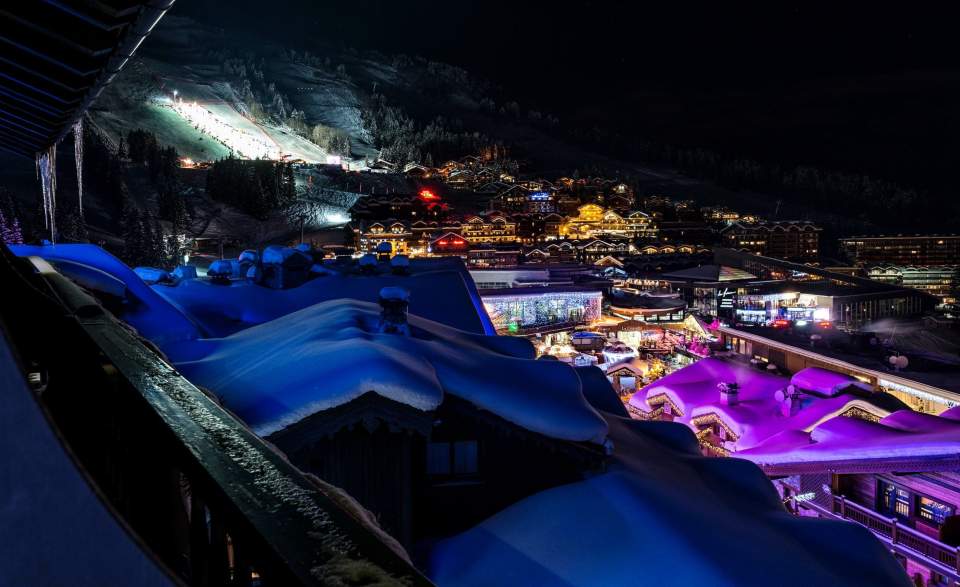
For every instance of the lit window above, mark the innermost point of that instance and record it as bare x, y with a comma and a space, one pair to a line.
934, 511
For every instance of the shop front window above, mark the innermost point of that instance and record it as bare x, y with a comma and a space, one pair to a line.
933, 511
894, 500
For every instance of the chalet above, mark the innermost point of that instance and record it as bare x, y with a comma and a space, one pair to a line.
593, 220
493, 187
530, 228
385, 207
567, 203
424, 231
471, 161
592, 251
551, 226
512, 199
449, 243
493, 229
461, 178
554, 252
486, 174
384, 165
535, 256
626, 378
608, 261
542, 202
284, 268
430, 450
417, 171
621, 203
396, 233
640, 225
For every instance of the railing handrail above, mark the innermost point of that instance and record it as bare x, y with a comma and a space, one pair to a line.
842, 507
298, 529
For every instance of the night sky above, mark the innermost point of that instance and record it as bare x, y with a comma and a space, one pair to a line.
865, 88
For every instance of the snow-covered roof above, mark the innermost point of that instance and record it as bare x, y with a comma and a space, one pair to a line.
441, 290
822, 381
757, 414
280, 255
151, 274
221, 268
661, 515
152, 315
904, 434
710, 273
278, 373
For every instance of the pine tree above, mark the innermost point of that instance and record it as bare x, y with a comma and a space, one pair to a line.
132, 236
71, 225
5, 229
16, 234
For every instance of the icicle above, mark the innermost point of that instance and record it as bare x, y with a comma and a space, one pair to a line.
47, 174
78, 161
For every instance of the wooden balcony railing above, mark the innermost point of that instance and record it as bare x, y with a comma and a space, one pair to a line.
927, 551
208, 498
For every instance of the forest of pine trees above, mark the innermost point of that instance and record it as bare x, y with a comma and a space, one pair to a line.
10, 231
401, 140
15, 226
145, 243
258, 187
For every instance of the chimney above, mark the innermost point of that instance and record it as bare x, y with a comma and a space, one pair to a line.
368, 263
393, 310
791, 402
400, 265
729, 393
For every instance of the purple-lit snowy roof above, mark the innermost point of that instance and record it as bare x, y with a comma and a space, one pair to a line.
822, 381
758, 414
904, 435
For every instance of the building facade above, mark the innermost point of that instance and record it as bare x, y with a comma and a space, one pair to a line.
781, 240
917, 250
940, 281
592, 220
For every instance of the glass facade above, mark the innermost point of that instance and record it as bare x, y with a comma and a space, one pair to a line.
516, 313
